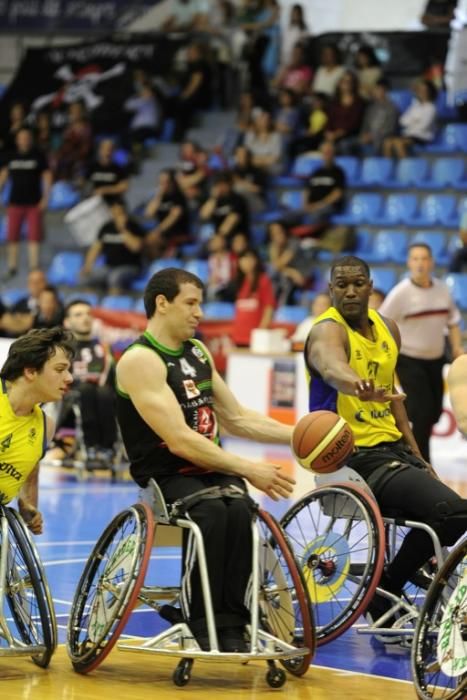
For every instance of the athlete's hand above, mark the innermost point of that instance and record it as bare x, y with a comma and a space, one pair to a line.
32, 517
271, 479
365, 390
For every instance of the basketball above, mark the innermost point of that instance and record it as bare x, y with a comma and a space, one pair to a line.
322, 441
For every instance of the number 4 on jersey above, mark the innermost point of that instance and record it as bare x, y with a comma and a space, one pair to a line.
186, 368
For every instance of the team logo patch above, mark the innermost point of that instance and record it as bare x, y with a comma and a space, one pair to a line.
6, 442
199, 354
32, 436
191, 389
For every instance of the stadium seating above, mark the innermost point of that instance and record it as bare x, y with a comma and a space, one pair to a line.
411, 172
65, 268
116, 302
363, 208
351, 167
218, 311
457, 283
384, 278
437, 242
446, 172
62, 196
376, 171
389, 246
437, 209
401, 98
452, 138
291, 314
199, 268
398, 209
10, 296
91, 297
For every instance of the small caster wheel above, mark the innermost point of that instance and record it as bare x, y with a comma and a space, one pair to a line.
275, 677
182, 674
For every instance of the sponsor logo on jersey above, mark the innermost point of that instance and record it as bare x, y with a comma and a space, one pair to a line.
10, 470
191, 389
199, 354
32, 436
6, 442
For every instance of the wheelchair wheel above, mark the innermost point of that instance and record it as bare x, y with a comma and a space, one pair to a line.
109, 586
337, 534
27, 592
285, 609
439, 649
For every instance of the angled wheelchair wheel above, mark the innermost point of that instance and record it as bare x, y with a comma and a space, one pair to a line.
439, 649
27, 592
109, 586
285, 609
337, 534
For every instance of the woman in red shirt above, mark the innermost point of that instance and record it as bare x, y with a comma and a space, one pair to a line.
255, 301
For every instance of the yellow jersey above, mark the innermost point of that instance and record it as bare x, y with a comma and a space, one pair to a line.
22, 444
372, 422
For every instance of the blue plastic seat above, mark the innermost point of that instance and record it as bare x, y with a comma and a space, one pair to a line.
162, 264
200, 268
121, 157
139, 306
293, 199
91, 297
6, 193
399, 209
457, 283
447, 172
10, 296
116, 302
302, 168
65, 268
384, 278
452, 138
364, 242
438, 209
351, 167
62, 196
411, 172
401, 98
443, 109
376, 171
363, 208
389, 246
219, 311
437, 242
291, 314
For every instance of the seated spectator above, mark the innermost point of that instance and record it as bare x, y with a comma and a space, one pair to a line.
254, 300
19, 318
459, 258
17, 121
235, 135
146, 116
418, 123
295, 31
107, 179
287, 266
49, 312
317, 120
329, 72
225, 209
287, 116
44, 136
169, 207
265, 144
257, 41
345, 113
93, 385
326, 189
368, 71
192, 173
380, 120
239, 244
248, 180
120, 243
296, 75
222, 270
377, 297
321, 303
71, 159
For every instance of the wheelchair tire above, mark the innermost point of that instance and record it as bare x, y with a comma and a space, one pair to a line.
27, 592
109, 587
337, 535
285, 609
438, 658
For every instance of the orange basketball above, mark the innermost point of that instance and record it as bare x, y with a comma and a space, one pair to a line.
322, 441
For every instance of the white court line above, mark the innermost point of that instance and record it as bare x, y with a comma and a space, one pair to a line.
59, 562
75, 543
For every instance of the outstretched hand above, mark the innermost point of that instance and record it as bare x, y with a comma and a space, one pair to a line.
32, 517
272, 480
365, 390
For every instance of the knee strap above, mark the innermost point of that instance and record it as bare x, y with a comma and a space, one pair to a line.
181, 506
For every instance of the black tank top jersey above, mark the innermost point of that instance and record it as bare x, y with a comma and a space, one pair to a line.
189, 375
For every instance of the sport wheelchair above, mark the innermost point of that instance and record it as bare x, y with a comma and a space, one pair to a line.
27, 619
341, 542
113, 583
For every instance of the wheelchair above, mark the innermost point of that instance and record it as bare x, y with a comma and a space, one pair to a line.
113, 584
342, 542
439, 649
27, 618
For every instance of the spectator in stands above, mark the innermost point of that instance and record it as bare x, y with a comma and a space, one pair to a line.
19, 317
368, 71
329, 72
17, 121
321, 303
107, 179
376, 298
265, 144
225, 209
145, 122
380, 120
459, 258
254, 301
222, 270
317, 120
345, 114
418, 122
259, 22
192, 173
296, 75
248, 180
44, 136
93, 384
239, 244
287, 265
424, 310
195, 90
287, 117
49, 312
71, 159
326, 188
295, 31
186, 16
437, 17
120, 242
31, 181
169, 207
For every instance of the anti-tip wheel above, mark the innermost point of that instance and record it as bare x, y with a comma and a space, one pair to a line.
275, 677
182, 674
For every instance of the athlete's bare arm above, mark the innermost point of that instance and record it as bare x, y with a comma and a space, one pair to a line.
457, 382
142, 375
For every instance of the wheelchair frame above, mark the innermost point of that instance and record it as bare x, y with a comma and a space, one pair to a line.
178, 641
30, 629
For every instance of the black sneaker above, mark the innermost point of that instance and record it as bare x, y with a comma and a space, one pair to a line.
232, 640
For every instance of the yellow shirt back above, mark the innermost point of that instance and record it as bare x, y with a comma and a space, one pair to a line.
372, 422
22, 444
